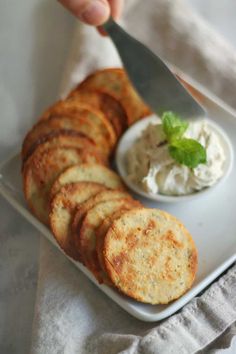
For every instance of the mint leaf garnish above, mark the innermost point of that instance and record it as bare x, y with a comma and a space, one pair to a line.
188, 152
173, 126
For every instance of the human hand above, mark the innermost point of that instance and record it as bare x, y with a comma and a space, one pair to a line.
94, 12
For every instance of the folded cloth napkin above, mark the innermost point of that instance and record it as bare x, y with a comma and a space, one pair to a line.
71, 314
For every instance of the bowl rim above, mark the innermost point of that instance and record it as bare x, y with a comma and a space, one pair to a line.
119, 156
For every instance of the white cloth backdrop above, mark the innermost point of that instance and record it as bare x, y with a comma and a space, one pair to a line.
71, 314
33, 45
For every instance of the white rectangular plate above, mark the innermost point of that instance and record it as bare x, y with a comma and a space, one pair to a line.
210, 220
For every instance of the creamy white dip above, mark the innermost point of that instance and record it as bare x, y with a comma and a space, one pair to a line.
152, 168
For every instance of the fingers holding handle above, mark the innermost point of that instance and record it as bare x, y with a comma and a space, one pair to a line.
94, 12
116, 7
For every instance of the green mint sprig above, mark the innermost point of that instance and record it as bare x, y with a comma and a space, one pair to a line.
188, 152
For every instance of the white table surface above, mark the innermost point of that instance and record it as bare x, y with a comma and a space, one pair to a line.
34, 41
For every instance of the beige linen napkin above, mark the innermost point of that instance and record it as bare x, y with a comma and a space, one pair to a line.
73, 317
71, 314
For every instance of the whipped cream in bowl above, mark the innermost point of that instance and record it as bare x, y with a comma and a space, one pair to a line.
144, 161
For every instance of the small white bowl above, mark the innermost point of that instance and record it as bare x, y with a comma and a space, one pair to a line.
131, 135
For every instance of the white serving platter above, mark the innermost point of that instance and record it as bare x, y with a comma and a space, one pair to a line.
210, 219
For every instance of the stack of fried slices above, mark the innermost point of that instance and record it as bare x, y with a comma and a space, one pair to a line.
69, 185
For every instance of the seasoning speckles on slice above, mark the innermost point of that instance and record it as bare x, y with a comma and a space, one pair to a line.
150, 256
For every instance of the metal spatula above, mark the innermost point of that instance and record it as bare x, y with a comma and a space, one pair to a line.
152, 79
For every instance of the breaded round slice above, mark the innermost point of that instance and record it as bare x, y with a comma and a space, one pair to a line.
62, 211
90, 173
150, 256
101, 232
43, 129
42, 169
96, 116
111, 108
115, 82
83, 208
67, 123
91, 221
64, 138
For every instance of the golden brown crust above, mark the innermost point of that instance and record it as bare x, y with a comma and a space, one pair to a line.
55, 125
101, 232
62, 211
96, 116
150, 256
111, 108
115, 82
91, 220
42, 169
70, 122
64, 138
91, 173
83, 208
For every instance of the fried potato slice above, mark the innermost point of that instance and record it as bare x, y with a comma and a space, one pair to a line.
96, 116
90, 173
62, 210
150, 256
115, 82
101, 232
42, 169
111, 108
67, 123
64, 138
91, 221
83, 208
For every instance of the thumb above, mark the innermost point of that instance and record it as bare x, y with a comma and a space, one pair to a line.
92, 12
